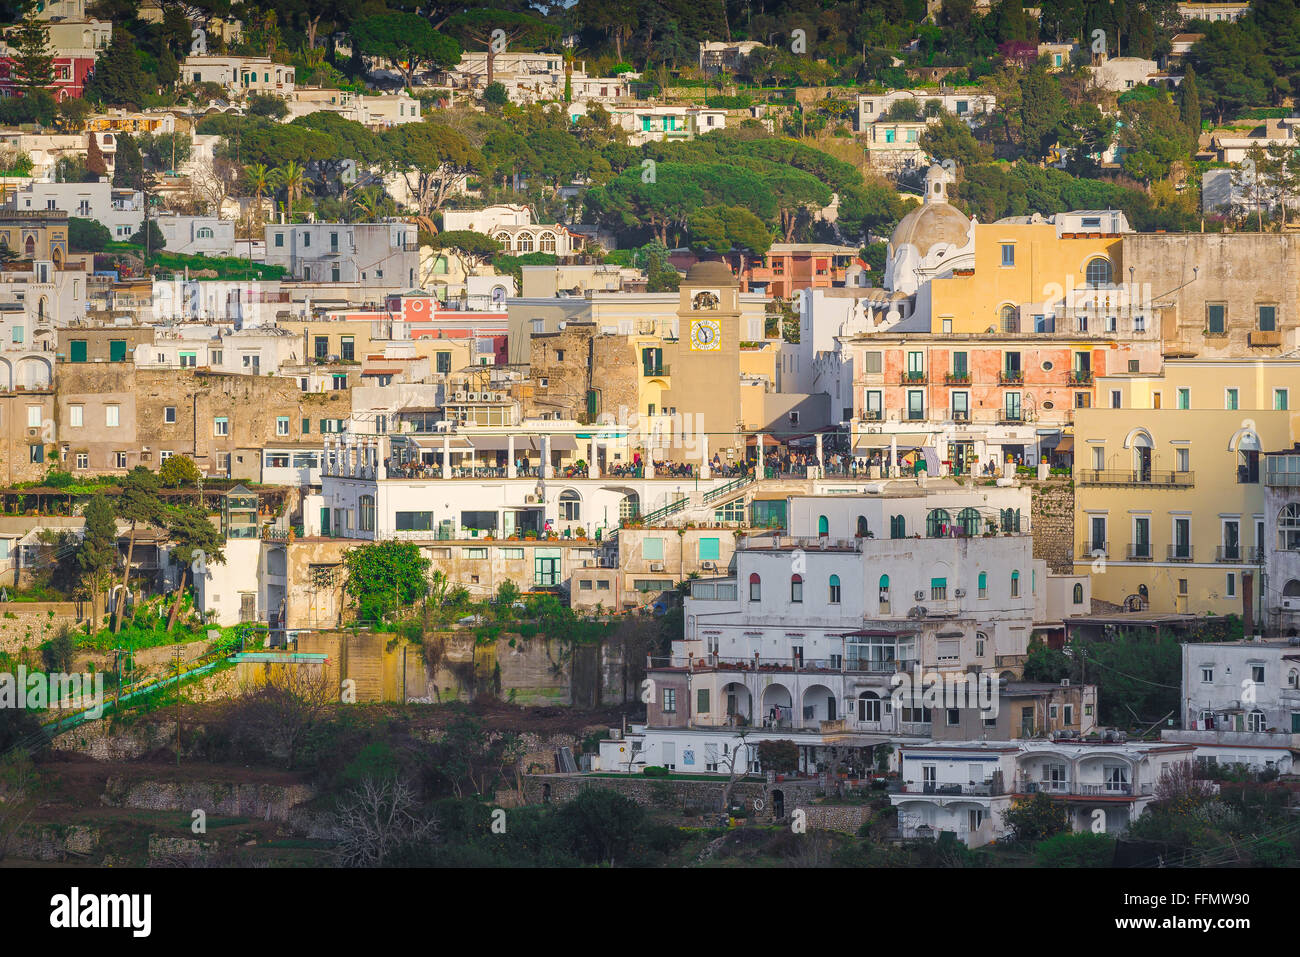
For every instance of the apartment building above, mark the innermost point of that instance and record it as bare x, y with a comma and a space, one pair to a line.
376, 256
240, 75
969, 105
121, 211
197, 235
1169, 482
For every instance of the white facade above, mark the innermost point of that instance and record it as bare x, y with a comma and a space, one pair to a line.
198, 235
219, 591
969, 106
487, 218
382, 255
240, 75
646, 124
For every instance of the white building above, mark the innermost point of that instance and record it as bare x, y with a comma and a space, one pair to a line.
1281, 603
197, 235
384, 256
487, 218
1241, 703
240, 75
970, 105
965, 787
645, 124
121, 211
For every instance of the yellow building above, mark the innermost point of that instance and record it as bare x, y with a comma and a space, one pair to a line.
35, 234
1024, 272
1169, 503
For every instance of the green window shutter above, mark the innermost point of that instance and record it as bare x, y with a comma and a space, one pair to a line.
652, 549
77, 350
710, 550
116, 350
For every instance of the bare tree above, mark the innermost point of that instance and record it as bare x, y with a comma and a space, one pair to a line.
379, 819
1179, 782
731, 760
287, 707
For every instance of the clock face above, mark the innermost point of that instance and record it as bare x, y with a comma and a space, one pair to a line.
706, 335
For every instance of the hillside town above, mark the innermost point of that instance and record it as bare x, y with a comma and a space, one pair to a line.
746, 434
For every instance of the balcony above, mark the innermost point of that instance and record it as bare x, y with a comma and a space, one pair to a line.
913, 378
1138, 553
1260, 339
1009, 377
659, 370
985, 789
1179, 553
959, 415
1230, 553
1091, 549
956, 378
1011, 417
873, 415
1081, 377
1141, 477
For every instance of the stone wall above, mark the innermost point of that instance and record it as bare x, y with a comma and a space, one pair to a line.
836, 817
1052, 522
704, 796
27, 624
271, 802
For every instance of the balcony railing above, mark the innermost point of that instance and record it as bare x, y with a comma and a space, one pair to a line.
959, 415
1143, 477
1090, 549
1179, 553
956, 378
1139, 553
1081, 377
1010, 417
1230, 553
913, 378
873, 415
1008, 377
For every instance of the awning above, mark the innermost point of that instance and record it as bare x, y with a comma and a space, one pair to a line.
434, 443
772, 440
561, 443
495, 443
1066, 445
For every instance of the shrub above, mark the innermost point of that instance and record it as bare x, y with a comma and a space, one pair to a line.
655, 771
1076, 850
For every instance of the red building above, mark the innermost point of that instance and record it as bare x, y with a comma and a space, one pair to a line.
70, 75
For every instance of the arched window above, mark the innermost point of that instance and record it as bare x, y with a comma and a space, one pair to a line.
937, 522
969, 520
1256, 721
30, 246
835, 590
823, 526
1098, 272
862, 526
897, 526
1288, 527
205, 232
755, 587
984, 585
1008, 318
1291, 589
524, 243
570, 506
884, 589
1010, 519
868, 706
504, 240
366, 513
796, 589
1015, 584
548, 242
1078, 593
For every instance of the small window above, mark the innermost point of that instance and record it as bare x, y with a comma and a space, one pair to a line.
112, 416
796, 589
835, 590
221, 426
1008, 254
755, 587
1015, 584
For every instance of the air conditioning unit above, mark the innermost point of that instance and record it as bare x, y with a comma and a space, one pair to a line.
960, 593
1065, 682
459, 396
32, 433
919, 595
530, 500
708, 565
656, 566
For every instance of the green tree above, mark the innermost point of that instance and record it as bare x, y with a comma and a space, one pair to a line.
179, 470
33, 65
601, 825
137, 504
1036, 818
87, 235
726, 229
196, 544
153, 240
267, 104
952, 139
494, 94
385, 577
1042, 110
471, 249
292, 178
1189, 102
119, 80
168, 69
97, 554
407, 40
779, 756
431, 159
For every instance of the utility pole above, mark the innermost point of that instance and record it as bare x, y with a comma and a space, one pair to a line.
178, 705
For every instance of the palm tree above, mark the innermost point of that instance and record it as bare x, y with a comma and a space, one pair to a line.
293, 179
369, 203
260, 180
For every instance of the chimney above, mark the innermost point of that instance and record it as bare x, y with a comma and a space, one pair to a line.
1247, 604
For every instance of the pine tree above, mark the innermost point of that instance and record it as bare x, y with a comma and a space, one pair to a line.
119, 80
97, 555
168, 69
34, 64
1189, 102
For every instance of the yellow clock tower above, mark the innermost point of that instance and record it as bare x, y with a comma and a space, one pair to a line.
706, 366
